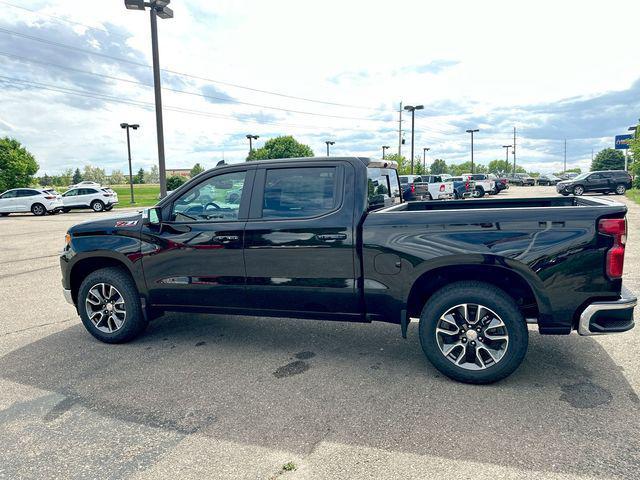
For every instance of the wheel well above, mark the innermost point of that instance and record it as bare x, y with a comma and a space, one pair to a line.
84, 267
509, 281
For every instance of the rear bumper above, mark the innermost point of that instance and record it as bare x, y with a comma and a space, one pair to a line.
612, 316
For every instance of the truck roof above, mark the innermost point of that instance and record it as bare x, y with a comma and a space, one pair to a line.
368, 162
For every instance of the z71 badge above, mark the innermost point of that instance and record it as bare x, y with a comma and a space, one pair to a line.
126, 223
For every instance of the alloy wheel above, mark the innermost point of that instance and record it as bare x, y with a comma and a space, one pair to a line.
472, 336
106, 307
620, 189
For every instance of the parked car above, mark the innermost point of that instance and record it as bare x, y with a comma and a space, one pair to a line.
499, 183
483, 184
607, 181
86, 184
425, 187
98, 199
306, 240
462, 188
548, 179
37, 201
568, 176
522, 180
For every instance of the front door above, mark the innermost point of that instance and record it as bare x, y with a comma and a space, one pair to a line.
597, 181
7, 201
194, 257
299, 240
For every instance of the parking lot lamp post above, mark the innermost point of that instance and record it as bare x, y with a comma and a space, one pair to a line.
251, 138
412, 109
472, 131
507, 147
328, 142
127, 126
424, 159
158, 8
384, 150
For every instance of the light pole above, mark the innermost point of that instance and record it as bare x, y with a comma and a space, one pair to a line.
384, 151
329, 142
472, 131
127, 126
158, 8
251, 138
412, 109
424, 159
507, 147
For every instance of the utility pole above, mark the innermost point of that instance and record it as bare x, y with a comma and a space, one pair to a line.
400, 131
514, 151
251, 138
329, 142
472, 131
565, 156
424, 159
412, 109
127, 127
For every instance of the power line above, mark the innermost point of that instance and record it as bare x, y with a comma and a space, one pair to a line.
212, 97
148, 105
182, 74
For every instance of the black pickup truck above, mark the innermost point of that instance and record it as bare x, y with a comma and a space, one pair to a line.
332, 239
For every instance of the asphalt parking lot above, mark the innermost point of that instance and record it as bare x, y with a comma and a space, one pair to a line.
203, 396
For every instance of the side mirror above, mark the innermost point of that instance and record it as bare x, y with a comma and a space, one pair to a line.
152, 216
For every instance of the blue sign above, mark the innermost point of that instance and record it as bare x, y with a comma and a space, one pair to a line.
622, 142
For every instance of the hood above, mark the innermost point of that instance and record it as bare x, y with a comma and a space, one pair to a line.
108, 225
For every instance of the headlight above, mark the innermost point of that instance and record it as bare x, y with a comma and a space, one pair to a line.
67, 239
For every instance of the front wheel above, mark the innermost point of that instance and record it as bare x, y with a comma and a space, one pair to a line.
478, 192
620, 189
473, 332
578, 190
108, 208
109, 306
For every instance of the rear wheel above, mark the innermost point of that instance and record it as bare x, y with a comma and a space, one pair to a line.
66, 210
478, 192
4, 214
620, 189
97, 206
38, 209
473, 332
578, 190
108, 208
109, 306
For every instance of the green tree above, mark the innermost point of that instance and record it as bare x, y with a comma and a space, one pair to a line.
17, 165
608, 159
281, 147
500, 167
465, 167
438, 166
197, 169
94, 174
65, 178
77, 176
153, 175
117, 178
139, 177
46, 181
174, 182
403, 168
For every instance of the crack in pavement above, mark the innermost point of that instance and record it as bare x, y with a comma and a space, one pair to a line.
37, 326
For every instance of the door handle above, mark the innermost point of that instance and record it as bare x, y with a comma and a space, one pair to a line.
227, 238
326, 237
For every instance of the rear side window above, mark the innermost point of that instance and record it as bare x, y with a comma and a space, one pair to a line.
382, 187
27, 193
299, 192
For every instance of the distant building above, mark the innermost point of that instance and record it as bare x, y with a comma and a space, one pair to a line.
179, 172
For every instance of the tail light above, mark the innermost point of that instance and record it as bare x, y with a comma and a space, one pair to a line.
107, 194
617, 228
413, 188
442, 187
50, 197
466, 186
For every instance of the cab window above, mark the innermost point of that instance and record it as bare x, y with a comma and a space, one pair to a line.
217, 199
10, 194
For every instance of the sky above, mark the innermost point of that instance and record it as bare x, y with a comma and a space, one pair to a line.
71, 72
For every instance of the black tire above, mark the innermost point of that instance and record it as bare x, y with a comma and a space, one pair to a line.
578, 190
108, 208
4, 214
564, 194
482, 294
455, 195
134, 322
480, 191
66, 210
97, 206
38, 209
620, 189
429, 197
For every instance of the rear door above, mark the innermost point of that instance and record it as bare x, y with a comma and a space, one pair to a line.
300, 239
25, 199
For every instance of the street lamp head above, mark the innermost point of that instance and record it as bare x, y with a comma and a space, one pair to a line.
135, 126
328, 142
408, 108
473, 130
426, 149
124, 125
161, 3
386, 146
134, 4
507, 146
165, 12
419, 107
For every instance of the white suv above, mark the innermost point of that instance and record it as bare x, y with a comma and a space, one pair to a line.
36, 201
99, 199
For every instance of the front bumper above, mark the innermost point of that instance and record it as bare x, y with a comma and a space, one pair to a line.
611, 316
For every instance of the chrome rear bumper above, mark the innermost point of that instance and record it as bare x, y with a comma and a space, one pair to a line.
614, 316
